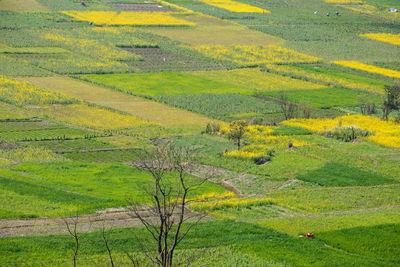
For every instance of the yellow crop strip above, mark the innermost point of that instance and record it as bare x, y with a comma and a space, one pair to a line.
383, 37
21, 93
344, 1
129, 18
386, 133
91, 116
253, 55
369, 68
327, 79
235, 6
261, 142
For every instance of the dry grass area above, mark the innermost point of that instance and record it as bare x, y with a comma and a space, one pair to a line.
210, 31
22, 5
139, 107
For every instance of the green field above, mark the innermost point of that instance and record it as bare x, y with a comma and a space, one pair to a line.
89, 88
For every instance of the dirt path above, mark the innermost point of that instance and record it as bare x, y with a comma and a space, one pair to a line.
111, 218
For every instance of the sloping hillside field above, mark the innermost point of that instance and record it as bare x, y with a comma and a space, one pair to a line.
199, 133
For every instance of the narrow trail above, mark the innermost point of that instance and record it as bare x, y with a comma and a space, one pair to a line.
110, 218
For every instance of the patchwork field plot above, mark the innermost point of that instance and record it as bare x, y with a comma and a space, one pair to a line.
129, 18
168, 117
37, 131
286, 112
142, 7
212, 31
22, 6
163, 83
86, 186
222, 106
258, 79
156, 59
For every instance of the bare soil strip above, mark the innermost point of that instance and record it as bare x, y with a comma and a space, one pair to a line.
111, 218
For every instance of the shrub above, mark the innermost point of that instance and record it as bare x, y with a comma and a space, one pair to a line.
346, 134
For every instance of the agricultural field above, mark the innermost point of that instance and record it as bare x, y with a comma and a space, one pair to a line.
261, 121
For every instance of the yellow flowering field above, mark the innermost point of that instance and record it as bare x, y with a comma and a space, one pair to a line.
383, 37
235, 6
369, 68
344, 1
386, 133
253, 55
129, 18
28, 154
21, 93
91, 47
91, 116
261, 142
256, 79
230, 203
326, 78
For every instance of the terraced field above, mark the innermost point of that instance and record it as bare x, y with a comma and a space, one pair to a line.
282, 115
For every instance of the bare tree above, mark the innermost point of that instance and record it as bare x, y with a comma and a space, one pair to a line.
106, 243
168, 194
289, 110
71, 224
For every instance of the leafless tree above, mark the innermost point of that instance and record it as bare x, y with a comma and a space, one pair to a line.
289, 109
164, 219
106, 243
71, 225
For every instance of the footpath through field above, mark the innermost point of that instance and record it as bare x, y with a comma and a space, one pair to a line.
144, 109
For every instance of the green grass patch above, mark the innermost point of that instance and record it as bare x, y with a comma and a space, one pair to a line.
324, 98
163, 83
336, 199
70, 145
379, 241
323, 223
108, 185
337, 174
222, 106
288, 130
118, 155
247, 239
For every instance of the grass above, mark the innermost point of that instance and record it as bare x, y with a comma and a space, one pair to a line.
258, 80
163, 83
222, 106
111, 156
30, 5
11, 67
335, 199
324, 98
172, 118
70, 145
364, 156
362, 240
39, 131
64, 188
336, 174
324, 223
288, 130
9, 112
210, 31
244, 239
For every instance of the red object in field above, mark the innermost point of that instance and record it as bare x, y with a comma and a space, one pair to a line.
83, 4
310, 235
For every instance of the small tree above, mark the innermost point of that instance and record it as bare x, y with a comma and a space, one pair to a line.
236, 131
289, 110
392, 100
169, 198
